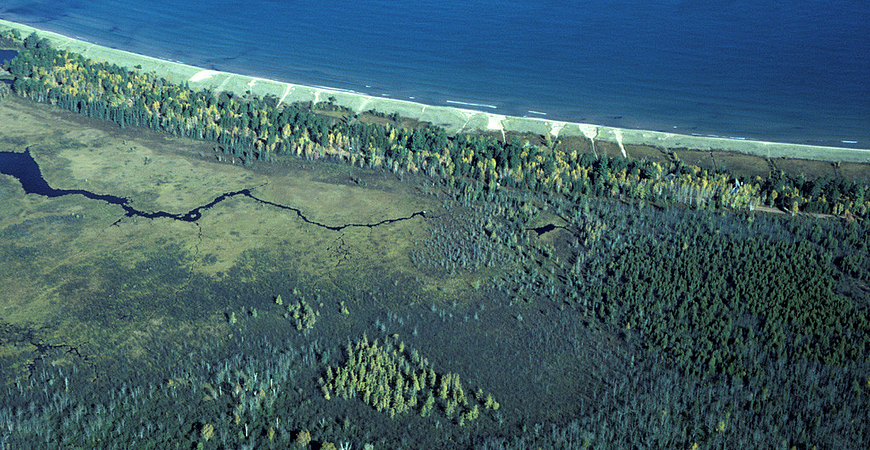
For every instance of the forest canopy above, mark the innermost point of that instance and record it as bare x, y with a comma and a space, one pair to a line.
254, 128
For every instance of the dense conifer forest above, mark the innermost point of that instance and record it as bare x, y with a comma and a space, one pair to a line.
715, 326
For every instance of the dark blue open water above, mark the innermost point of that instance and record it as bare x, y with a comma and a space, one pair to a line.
785, 70
6, 55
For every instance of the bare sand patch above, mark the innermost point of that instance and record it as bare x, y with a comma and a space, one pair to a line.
202, 75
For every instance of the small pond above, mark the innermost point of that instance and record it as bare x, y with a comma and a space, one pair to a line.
6, 55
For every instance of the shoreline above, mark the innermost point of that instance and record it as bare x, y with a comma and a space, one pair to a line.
453, 119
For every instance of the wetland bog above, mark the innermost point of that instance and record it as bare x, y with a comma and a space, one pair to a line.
87, 286
72, 233
211, 320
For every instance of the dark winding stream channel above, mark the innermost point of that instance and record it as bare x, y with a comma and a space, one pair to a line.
23, 167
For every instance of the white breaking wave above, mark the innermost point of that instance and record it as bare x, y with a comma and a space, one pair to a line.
471, 104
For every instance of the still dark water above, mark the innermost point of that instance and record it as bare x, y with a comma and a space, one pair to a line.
26, 170
23, 167
6, 55
790, 70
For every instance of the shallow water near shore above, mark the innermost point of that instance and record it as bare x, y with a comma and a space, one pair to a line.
790, 73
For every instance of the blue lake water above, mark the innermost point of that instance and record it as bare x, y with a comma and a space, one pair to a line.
6, 55
790, 70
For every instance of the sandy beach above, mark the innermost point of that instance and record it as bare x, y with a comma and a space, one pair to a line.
453, 119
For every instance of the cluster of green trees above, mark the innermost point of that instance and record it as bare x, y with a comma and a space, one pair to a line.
392, 379
257, 128
827, 195
765, 318
718, 297
242, 399
455, 244
715, 303
10, 38
299, 311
